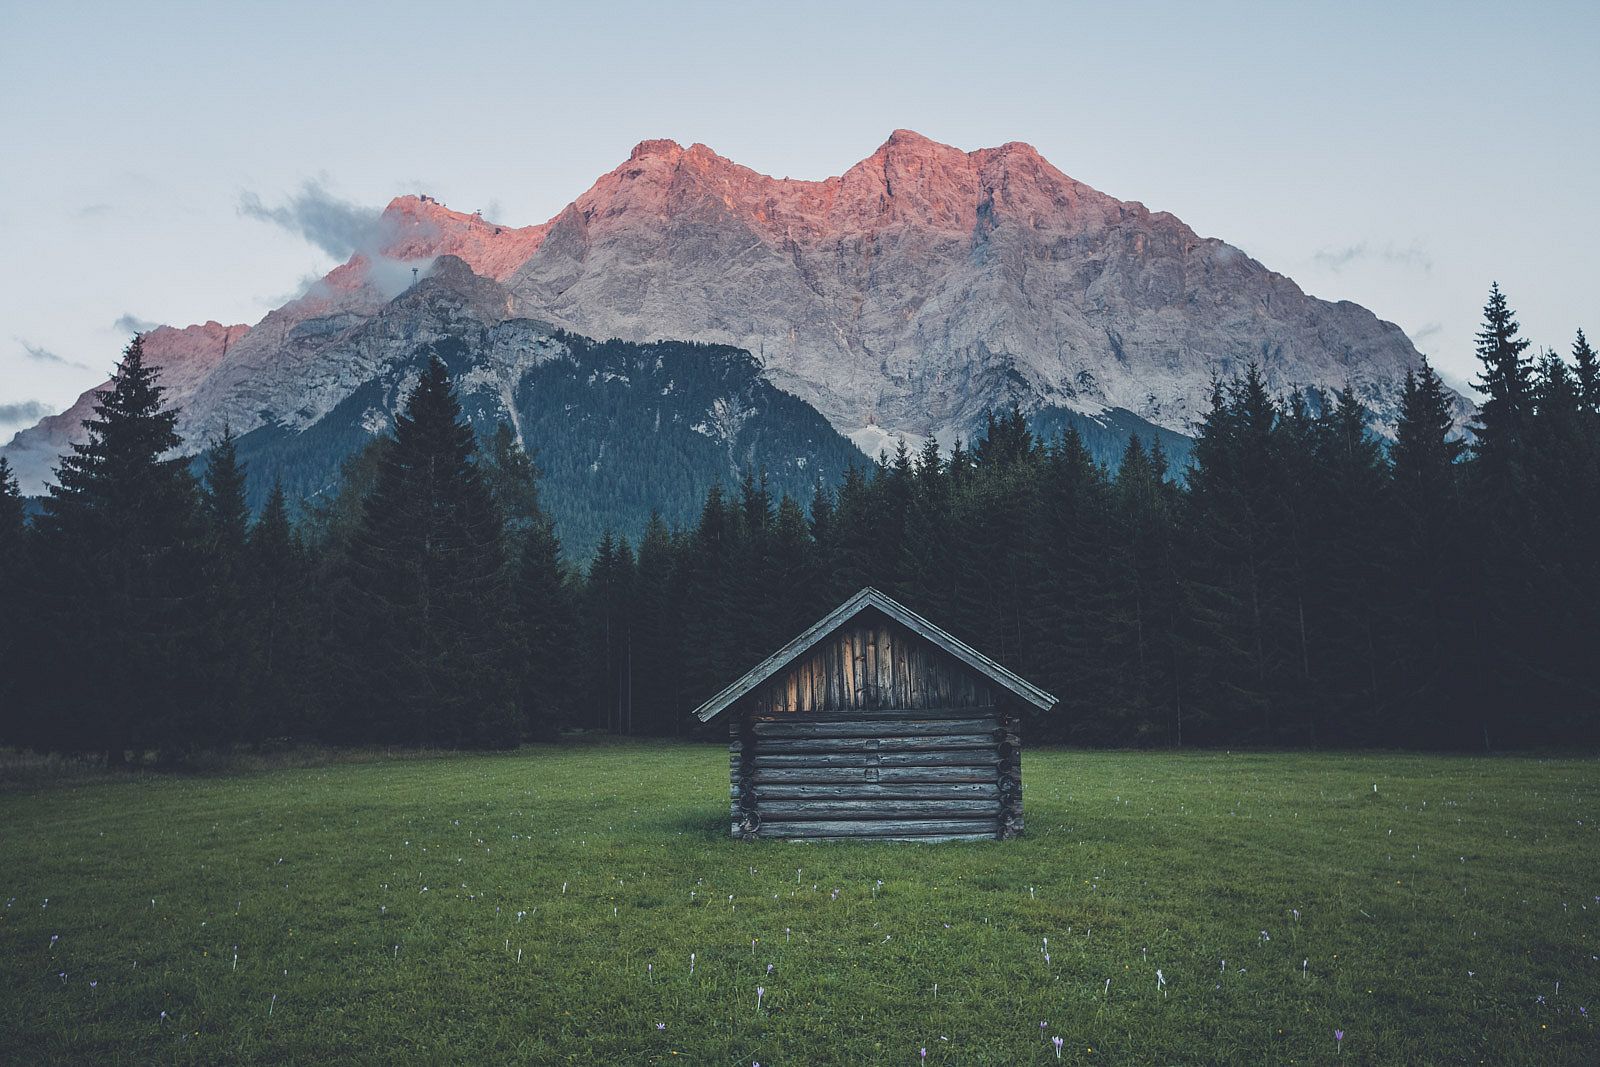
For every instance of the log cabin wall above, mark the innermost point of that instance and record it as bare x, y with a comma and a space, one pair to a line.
876, 733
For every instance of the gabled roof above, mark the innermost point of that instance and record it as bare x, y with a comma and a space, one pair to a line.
871, 598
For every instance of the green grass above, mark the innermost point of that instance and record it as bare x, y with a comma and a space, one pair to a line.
379, 910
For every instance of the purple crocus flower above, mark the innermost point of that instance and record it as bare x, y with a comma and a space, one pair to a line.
1338, 1039
661, 1026
1057, 1042
761, 991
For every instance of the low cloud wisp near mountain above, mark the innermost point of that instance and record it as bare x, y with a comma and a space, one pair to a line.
130, 323
23, 412
1336, 259
40, 354
340, 228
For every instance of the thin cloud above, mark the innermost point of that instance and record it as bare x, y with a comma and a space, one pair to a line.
338, 227
93, 211
1425, 331
130, 323
341, 229
1336, 259
23, 411
40, 354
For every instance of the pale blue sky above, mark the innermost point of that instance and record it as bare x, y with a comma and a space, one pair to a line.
1399, 155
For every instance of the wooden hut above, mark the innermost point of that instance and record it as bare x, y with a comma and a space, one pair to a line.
875, 723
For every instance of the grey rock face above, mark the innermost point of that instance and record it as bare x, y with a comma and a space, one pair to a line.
927, 284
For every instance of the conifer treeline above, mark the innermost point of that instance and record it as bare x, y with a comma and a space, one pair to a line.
1302, 585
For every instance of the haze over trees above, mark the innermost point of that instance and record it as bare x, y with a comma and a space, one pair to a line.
1303, 584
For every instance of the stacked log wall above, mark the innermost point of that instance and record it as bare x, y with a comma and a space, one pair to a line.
875, 732
926, 777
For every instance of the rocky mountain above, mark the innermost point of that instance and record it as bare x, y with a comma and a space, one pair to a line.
617, 428
185, 356
927, 284
905, 297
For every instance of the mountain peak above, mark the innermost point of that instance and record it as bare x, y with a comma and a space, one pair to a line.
910, 137
659, 146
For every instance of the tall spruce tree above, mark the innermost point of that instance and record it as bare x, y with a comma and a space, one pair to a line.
658, 698
13, 566
1503, 523
278, 697
226, 635
513, 480
928, 551
548, 626
119, 580
707, 656
428, 622
609, 593
1562, 577
1060, 584
1144, 608
1431, 607
1586, 365
1238, 632
794, 572
1506, 381
1350, 554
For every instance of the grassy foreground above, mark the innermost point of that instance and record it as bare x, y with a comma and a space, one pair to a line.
584, 905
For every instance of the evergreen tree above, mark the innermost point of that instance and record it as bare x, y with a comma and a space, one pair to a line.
1503, 523
1060, 586
1426, 447
226, 636
794, 573
427, 625
1506, 381
278, 696
119, 581
657, 698
996, 583
610, 596
1561, 580
1430, 559
1349, 589
853, 551
1297, 524
711, 641
513, 481
928, 551
1145, 608
752, 593
1587, 366
13, 567
548, 626
1237, 631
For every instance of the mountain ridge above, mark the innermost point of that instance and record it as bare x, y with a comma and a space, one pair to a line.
904, 297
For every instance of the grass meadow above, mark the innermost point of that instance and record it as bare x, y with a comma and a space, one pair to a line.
583, 904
